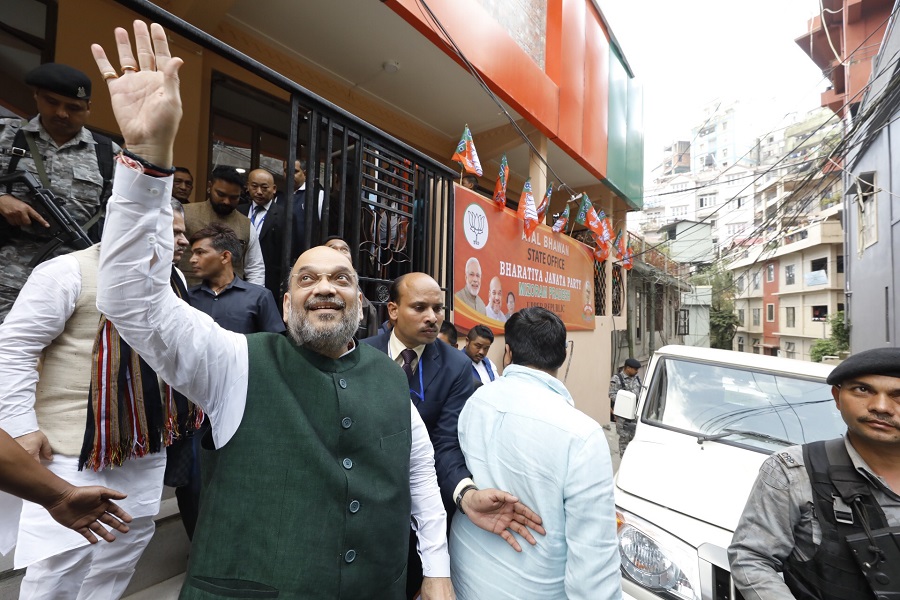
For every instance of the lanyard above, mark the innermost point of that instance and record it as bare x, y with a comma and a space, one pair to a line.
421, 393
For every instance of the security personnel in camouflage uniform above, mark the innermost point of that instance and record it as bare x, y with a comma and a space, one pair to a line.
71, 158
626, 379
825, 514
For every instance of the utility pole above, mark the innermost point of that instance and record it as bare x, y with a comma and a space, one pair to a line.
652, 316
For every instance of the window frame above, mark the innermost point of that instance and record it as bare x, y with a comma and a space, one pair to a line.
790, 276
790, 316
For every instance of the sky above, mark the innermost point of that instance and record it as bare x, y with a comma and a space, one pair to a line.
693, 52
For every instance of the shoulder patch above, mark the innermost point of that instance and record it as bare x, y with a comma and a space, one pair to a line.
788, 460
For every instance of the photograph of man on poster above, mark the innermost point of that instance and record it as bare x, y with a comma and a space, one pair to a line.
495, 300
469, 293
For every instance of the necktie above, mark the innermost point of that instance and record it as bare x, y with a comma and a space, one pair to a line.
408, 356
257, 213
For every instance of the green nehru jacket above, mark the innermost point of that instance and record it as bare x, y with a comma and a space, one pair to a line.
310, 498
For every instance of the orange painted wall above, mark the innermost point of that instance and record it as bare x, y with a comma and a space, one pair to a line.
563, 101
872, 26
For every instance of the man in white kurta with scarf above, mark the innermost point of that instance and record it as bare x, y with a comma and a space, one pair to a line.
55, 318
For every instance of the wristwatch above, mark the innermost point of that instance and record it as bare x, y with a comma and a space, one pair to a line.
462, 493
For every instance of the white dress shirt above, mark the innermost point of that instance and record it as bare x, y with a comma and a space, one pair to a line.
522, 433
254, 265
257, 214
200, 359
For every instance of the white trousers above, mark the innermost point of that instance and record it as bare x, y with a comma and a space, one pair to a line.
98, 571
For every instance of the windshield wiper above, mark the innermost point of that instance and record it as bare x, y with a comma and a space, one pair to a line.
754, 434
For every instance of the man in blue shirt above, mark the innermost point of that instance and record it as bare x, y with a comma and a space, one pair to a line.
524, 433
233, 303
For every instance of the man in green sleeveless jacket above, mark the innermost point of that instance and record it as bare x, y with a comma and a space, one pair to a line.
317, 459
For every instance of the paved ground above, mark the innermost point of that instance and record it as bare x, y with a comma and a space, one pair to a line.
613, 440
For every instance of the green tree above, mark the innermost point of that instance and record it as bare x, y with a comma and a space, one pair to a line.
722, 320
837, 343
722, 326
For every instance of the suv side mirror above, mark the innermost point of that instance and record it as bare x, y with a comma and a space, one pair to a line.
626, 405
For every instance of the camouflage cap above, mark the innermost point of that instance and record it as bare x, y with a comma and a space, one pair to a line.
60, 79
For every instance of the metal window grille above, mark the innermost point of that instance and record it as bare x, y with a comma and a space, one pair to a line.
618, 296
600, 286
392, 204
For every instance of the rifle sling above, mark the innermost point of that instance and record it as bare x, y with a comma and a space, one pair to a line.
37, 158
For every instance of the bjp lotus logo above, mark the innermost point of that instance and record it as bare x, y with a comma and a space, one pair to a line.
475, 226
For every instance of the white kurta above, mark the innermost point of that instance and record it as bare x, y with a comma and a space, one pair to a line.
39, 315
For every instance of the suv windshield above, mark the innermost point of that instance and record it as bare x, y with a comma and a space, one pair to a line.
708, 399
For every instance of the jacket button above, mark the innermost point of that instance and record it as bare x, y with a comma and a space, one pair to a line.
343, 384
346, 422
349, 556
354, 506
348, 464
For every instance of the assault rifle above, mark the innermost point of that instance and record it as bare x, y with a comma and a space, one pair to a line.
63, 228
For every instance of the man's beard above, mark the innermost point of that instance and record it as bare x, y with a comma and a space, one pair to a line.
331, 339
222, 209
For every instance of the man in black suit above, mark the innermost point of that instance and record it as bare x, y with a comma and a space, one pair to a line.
267, 217
440, 382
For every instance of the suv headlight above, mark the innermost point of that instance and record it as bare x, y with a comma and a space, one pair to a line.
656, 559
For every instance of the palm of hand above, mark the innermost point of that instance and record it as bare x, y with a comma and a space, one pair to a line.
144, 110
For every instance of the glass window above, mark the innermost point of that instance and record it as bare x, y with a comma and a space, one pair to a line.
867, 211
770, 272
790, 350
770, 312
763, 411
789, 276
741, 320
27, 32
683, 317
740, 343
819, 264
756, 314
820, 313
790, 316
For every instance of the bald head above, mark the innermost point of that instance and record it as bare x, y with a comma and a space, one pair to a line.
416, 306
261, 186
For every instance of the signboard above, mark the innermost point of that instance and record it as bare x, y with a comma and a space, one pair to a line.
816, 278
498, 270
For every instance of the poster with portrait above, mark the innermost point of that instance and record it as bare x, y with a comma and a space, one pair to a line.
498, 270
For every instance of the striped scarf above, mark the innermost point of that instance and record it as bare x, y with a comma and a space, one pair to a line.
128, 415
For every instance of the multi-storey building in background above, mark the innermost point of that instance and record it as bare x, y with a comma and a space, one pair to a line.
785, 289
842, 40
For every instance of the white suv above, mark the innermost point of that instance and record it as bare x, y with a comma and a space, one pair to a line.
706, 420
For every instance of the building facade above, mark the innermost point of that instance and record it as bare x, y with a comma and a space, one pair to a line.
785, 290
871, 234
842, 40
